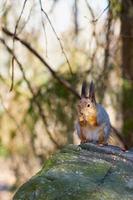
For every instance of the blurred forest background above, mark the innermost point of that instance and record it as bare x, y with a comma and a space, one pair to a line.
47, 48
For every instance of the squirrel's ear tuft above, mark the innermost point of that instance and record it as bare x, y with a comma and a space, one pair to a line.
83, 91
92, 92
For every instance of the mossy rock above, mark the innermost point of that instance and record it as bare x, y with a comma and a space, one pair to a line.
82, 172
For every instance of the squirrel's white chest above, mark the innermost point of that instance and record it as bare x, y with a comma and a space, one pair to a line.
90, 133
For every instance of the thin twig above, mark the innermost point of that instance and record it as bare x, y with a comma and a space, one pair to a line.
65, 83
104, 73
41, 112
44, 30
12, 118
45, 34
3, 7
76, 16
53, 6
93, 36
98, 17
90, 9
26, 21
15, 33
106, 53
95, 19
61, 45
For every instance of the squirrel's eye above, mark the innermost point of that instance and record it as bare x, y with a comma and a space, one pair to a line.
88, 105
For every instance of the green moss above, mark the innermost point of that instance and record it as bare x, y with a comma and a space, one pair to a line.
67, 153
74, 173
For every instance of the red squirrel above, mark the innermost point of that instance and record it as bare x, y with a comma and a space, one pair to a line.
93, 121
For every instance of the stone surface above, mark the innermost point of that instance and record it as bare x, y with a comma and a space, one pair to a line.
82, 172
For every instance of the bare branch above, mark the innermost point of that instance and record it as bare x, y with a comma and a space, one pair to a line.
53, 6
94, 36
44, 30
12, 118
3, 7
106, 53
90, 9
41, 112
76, 16
61, 45
65, 83
98, 17
95, 19
15, 33
26, 21
103, 76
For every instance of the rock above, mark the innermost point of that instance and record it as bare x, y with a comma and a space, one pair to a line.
81, 173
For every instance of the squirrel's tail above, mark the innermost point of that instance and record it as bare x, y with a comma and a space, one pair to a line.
116, 139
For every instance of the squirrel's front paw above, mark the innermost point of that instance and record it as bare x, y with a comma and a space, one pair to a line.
87, 141
103, 144
83, 141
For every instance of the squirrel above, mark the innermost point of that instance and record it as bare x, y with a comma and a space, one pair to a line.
93, 121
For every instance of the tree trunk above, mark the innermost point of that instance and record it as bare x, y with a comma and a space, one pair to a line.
127, 69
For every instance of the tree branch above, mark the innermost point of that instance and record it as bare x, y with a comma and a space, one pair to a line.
41, 112
65, 83
95, 19
18, 127
26, 21
76, 16
90, 9
15, 33
44, 30
61, 45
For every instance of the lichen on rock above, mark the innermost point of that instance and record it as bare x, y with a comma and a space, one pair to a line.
82, 172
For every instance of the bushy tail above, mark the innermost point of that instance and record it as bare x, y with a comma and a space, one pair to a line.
116, 139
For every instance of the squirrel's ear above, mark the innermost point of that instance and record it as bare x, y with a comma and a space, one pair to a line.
83, 91
92, 92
